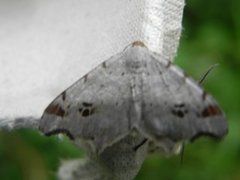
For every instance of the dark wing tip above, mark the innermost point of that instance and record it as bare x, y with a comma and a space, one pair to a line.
218, 132
55, 109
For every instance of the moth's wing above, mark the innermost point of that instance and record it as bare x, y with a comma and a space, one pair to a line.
19, 123
175, 107
95, 109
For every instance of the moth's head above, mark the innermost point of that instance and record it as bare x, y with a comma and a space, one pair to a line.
135, 57
138, 44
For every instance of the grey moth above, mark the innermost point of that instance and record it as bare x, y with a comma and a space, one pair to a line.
131, 104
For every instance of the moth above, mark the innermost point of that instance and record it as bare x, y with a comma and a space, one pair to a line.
131, 104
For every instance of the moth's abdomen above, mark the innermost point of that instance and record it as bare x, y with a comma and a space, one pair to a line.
124, 159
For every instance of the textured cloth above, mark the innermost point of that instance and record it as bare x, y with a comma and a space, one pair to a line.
45, 46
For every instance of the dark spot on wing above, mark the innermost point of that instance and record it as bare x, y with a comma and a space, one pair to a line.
211, 110
179, 110
104, 65
55, 109
86, 113
85, 78
123, 74
178, 113
63, 95
86, 104
86, 109
59, 131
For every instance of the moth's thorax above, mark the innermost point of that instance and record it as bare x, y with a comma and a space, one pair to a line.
136, 59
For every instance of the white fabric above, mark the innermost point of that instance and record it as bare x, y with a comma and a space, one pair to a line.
46, 45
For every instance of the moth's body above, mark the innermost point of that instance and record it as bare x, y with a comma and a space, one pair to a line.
135, 91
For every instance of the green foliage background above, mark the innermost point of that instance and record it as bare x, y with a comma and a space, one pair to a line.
211, 35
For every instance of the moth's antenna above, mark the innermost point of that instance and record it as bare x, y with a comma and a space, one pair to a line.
208, 71
182, 153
